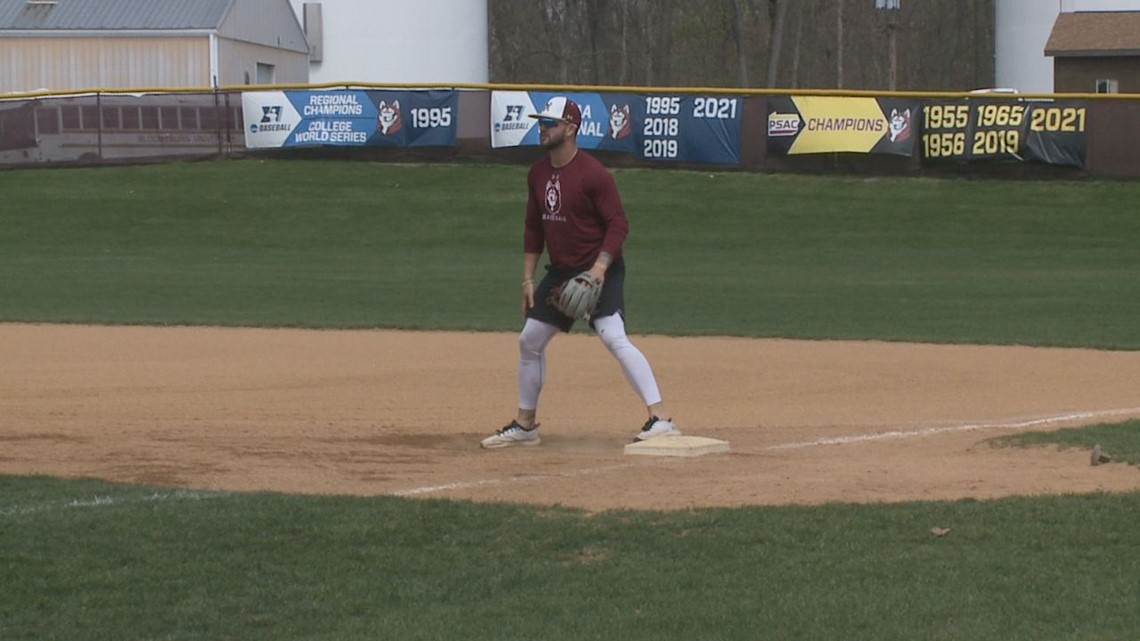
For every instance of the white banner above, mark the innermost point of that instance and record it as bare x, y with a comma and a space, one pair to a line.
510, 118
269, 118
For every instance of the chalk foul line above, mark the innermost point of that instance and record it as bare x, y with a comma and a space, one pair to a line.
835, 440
463, 485
965, 427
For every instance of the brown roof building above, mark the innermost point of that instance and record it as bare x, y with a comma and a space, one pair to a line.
1096, 51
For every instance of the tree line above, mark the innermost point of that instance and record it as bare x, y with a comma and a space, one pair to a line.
934, 45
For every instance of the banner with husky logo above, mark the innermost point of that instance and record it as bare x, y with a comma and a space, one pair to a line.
350, 118
607, 122
823, 124
696, 129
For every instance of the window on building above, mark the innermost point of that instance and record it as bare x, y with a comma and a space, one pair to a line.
266, 73
1107, 85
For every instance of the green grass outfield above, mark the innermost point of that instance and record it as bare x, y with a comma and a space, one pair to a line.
328, 244
334, 244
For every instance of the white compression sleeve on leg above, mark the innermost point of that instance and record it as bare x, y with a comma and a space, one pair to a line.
533, 340
611, 329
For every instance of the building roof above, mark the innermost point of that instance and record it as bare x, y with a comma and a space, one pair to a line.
79, 15
1095, 33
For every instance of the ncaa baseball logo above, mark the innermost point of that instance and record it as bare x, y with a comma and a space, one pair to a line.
269, 114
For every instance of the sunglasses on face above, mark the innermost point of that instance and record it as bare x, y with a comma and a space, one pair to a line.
548, 123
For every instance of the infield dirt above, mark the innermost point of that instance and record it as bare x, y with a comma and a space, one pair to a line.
389, 412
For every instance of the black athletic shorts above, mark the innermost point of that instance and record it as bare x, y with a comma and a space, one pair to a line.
611, 302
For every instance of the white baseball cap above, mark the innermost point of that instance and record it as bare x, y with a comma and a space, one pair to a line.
561, 108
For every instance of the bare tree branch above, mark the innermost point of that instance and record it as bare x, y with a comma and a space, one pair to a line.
723, 42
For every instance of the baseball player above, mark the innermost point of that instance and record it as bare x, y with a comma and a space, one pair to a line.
575, 212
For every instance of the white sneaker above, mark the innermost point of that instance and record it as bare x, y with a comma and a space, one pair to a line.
511, 435
655, 427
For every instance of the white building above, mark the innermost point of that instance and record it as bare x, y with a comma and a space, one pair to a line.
1022, 29
379, 41
65, 45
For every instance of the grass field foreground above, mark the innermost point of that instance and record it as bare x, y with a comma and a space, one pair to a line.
84, 559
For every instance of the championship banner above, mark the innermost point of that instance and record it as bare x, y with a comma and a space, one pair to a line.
350, 118
697, 129
606, 121
985, 129
823, 124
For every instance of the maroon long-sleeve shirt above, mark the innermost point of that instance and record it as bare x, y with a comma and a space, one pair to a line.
575, 212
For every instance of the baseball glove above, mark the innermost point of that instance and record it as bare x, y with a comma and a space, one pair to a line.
579, 296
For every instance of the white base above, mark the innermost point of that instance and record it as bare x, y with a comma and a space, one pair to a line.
677, 446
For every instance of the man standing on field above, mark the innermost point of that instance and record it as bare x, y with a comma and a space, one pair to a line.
575, 212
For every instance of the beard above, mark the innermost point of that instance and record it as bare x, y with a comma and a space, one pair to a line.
554, 139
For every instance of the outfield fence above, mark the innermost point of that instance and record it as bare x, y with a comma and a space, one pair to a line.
826, 131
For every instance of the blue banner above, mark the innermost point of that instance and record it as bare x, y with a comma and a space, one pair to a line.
350, 118
696, 129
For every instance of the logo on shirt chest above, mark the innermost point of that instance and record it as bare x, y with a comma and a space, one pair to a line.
554, 199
